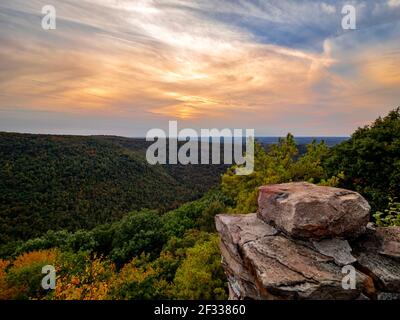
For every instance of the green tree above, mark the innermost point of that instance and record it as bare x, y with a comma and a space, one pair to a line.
370, 161
200, 276
138, 279
309, 167
136, 233
277, 165
24, 276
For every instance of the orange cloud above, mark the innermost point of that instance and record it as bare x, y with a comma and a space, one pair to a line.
132, 58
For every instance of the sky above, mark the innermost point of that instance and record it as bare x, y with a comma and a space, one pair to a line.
123, 67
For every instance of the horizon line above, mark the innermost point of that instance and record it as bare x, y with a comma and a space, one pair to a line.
144, 137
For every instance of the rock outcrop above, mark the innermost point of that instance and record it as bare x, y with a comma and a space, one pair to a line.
305, 210
301, 245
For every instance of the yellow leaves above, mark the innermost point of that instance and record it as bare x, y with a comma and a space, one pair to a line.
21, 278
132, 273
200, 274
91, 284
140, 279
82, 276
75, 290
42, 256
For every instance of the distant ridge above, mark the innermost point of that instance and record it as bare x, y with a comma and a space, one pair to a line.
330, 141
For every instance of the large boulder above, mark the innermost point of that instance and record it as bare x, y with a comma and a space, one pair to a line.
305, 210
304, 243
262, 263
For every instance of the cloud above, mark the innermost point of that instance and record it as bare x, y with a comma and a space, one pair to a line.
274, 66
327, 8
394, 3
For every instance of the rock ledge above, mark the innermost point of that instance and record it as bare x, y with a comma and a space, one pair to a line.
275, 254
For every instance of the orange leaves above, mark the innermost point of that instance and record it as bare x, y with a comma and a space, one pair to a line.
21, 278
3, 283
81, 276
92, 282
43, 256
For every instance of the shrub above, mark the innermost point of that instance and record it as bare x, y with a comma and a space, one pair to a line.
390, 216
81, 277
136, 233
370, 161
138, 279
24, 276
200, 276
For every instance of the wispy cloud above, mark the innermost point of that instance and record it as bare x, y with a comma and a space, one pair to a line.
394, 3
276, 66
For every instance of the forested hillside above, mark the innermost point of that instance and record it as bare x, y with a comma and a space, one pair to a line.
153, 254
74, 182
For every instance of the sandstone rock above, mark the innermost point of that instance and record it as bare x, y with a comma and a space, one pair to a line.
287, 270
263, 264
378, 259
388, 296
241, 228
371, 226
237, 230
295, 247
363, 297
389, 241
304, 210
338, 249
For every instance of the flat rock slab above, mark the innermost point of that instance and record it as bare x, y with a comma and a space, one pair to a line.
304, 210
338, 249
241, 228
236, 230
288, 270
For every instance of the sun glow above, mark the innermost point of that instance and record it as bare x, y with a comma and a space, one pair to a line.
171, 59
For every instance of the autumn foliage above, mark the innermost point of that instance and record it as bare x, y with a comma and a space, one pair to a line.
21, 278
